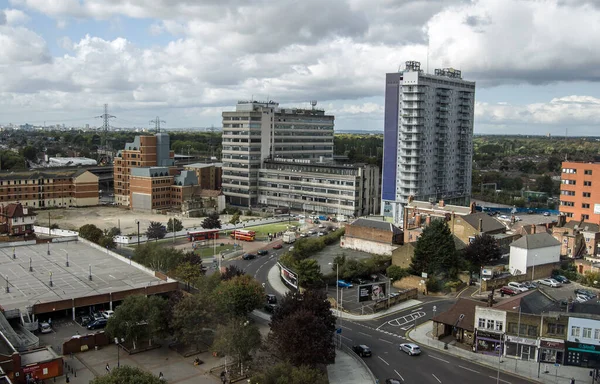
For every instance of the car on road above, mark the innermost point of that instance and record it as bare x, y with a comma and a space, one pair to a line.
518, 286
392, 381
85, 320
262, 252
546, 214
561, 279
549, 282
98, 324
277, 246
506, 290
504, 217
303, 235
410, 348
362, 350
45, 327
271, 299
249, 256
108, 314
585, 292
530, 212
344, 284
270, 308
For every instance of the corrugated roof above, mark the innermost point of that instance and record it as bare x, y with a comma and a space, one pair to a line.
382, 225
488, 223
465, 307
537, 240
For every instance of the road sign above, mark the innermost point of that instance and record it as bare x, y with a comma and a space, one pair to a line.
339, 330
434, 308
556, 365
424, 275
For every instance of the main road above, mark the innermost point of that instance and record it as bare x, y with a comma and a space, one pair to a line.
383, 335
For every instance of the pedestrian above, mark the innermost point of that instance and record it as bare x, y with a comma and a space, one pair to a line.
67, 380
572, 381
107, 368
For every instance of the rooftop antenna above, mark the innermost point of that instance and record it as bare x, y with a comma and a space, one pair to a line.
313, 104
157, 122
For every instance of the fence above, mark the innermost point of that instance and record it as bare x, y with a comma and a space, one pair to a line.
360, 361
84, 342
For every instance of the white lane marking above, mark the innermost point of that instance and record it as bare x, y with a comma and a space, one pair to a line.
504, 381
343, 326
439, 381
439, 358
386, 341
383, 360
364, 334
468, 369
417, 309
399, 375
347, 338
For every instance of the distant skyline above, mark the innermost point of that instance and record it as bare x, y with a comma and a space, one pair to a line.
535, 62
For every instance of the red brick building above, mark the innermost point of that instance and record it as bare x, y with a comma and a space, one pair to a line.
16, 220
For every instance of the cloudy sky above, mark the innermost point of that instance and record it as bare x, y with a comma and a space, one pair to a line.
536, 62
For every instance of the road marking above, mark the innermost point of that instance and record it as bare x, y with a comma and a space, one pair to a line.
399, 375
495, 378
347, 338
439, 358
362, 333
468, 369
383, 360
386, 341
439, 381
417, 309
343, 326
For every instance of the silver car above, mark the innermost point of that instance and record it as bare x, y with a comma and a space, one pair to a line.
410, 348
550, 283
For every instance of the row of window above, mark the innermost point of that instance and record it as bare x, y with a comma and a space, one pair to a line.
572, 204
585, 332
33, 182
572, 193
574, 171
492, 325
586, 183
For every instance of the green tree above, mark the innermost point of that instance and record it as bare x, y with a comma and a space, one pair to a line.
545, 184
158, 258
435, 251
354, 268
240, 295
194, 318
309, 272
235, 219
302, 329
156, 230
395, 272
112, 232
231, 272
90, 232
174, 225
481, 251
188, 273
127, 374
29, 153
238, 338
288, 374
212, 221
107, 242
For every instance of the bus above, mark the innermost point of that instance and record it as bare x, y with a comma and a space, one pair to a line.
242, 234
203, 235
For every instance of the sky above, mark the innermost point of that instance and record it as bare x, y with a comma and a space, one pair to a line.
536, 62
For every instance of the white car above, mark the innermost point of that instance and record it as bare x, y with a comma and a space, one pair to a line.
517, 218
410, 348
550, 283
504, 217
45, 328
518, 286
108, 314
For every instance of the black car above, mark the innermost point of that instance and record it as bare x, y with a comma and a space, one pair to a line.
362, 350
249, 256
270, 308
262, 252
392, 381
98, 324
271, 299
585, 292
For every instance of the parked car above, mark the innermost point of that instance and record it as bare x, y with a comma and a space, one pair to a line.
561, 279
509, 290
262, 252
277, 246
530, 284
303, 235
311, 232
344, 284
45, 327
270, 308
85, 320
321, 226
504, 217
98, 324
249, 256
581, 298
546, 214
97, 316
530, 212
410, 348
518, 286
518, 218
362, 350
271, 299
108, 314
549, 282
586, 292
392, 381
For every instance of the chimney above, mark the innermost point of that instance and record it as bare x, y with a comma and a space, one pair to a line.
441, 204
418, 220
473, 207
480, 228
533, 229
428, 220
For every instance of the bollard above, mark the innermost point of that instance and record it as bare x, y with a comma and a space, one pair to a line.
75, 373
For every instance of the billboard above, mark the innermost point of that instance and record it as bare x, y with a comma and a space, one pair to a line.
596, 209
371, 292
288, 276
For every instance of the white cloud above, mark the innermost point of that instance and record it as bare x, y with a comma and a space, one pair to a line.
14, 16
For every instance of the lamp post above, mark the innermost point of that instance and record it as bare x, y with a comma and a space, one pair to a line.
518, 333
67, 262
118, 344
138, 226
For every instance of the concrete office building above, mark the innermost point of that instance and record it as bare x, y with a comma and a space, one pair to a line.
256, 131
428, 130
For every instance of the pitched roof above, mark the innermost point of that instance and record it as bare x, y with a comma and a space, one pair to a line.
15, 210
376, 224
534, 302
210, 192
537, 240
47, 173
452, 316
488, 223
582, 225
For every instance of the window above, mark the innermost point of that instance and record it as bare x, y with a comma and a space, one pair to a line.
587, 332
575, 331
587, 183
499, 325
585, 205
587, 172
566, 181
597, 334
569, 170
532, 330
587, 194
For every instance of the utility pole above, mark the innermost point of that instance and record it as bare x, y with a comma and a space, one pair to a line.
105, 124
156, 123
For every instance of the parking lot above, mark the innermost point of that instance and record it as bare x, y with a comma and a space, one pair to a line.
566, 291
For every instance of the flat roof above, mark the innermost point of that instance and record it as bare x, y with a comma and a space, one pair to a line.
109, 274
38, 356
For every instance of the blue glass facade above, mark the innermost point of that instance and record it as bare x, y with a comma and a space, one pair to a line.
390, 136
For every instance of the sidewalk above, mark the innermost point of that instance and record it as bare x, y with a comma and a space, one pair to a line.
548, 373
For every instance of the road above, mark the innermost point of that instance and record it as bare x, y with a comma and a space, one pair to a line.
383, 336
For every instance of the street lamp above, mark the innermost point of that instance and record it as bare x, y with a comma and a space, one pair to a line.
67, 262
518, 333
118, 351
138, 226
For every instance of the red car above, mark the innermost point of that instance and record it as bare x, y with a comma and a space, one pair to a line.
277, 246
509, 291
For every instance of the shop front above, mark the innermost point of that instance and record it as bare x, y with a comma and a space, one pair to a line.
488, 343
552, 350
583, 355
521, 348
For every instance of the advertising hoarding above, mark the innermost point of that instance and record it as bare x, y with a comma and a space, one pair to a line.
371, 292
288, 276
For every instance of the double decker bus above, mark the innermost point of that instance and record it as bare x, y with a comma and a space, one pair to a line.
203, 235
242, 234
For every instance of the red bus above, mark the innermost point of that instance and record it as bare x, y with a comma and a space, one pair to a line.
242, 234
203, 235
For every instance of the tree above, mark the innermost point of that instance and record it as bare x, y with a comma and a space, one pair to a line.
435, 251
174, 225
395, 272
288, 374
212, 221
29, 153
188, 273
309, 272
112, 232
353, 268
193, 318
156, 230
107, 242
240, 295
139, 317
302, 329
158, 258
235, 219
90, 232
237, 338
231, 272
545, 184
480, 251
127, 374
